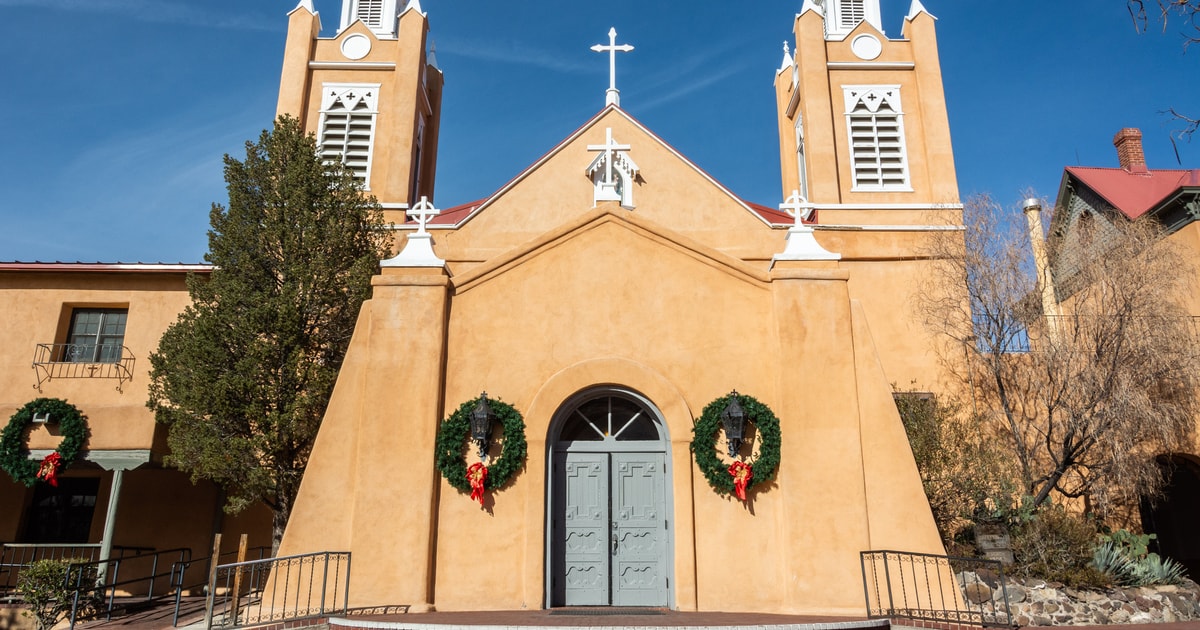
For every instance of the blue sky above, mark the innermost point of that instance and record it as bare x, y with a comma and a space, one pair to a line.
117, 112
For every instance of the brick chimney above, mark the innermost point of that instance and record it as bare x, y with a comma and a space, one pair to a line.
1129, 150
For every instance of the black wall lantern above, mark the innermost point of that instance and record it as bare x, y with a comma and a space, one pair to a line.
481, 425
734, 421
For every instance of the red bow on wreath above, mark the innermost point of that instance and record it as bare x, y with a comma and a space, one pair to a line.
477, 475
48, 471
742, 473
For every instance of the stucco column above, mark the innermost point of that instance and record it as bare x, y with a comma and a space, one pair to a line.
824, 520
396, 484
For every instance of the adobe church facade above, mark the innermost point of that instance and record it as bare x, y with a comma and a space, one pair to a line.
608, 293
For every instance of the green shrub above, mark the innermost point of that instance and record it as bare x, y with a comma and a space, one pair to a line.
1125, 558
44, 586
1057, 545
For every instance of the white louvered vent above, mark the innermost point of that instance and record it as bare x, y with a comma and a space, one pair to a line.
853, 12
370, 12
348, 127
877, 151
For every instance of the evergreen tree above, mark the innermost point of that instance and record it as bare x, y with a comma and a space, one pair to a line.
243, 378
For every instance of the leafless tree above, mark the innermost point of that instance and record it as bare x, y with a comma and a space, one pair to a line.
1087, 399
1144, 12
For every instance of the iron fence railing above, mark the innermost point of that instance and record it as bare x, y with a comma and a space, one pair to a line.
99, 580
937, 589
181, 570
14, 557
278, 589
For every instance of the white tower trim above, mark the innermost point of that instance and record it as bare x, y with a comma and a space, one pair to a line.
843, 16
377, 15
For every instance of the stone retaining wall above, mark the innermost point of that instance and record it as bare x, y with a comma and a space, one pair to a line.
1040, 603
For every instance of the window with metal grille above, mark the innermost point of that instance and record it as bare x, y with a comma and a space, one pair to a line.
878, 156
348, 127
370, 12
96, 335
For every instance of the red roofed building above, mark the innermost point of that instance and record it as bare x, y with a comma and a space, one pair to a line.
1091, 201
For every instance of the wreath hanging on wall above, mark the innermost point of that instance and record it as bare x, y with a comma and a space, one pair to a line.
481, 476
14, 455
740, 476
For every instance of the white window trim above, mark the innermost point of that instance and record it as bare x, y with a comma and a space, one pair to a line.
331, 93
801, 157
889, 94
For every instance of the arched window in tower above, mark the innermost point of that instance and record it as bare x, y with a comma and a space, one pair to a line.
875, 123
801, 162
347, 130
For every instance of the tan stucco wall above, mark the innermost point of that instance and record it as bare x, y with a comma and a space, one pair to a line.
158, 508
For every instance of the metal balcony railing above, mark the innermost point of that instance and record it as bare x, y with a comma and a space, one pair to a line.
71, 360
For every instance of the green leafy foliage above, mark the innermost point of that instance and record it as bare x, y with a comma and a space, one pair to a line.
48, 588
14, 455
243, 378
704, 443
1125, 557
967, 477
452, 444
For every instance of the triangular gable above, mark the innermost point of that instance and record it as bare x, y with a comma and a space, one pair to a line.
769, 218
604, 215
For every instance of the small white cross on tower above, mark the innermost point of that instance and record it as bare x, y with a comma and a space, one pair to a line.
423, 212
613, 96
418, 247
797, 207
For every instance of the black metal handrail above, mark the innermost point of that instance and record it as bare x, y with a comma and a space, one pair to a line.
107, 574
14, 557
179, 572
305, 586
934, 588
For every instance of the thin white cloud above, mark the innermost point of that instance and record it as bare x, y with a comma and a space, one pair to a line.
510, 52
665, 97
155, 11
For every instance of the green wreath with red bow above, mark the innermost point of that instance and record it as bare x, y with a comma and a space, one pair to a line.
480, 477
738, 477
14, 455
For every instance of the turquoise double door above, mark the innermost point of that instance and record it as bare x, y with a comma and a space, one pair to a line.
610, 538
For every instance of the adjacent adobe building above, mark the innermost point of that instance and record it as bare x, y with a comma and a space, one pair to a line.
1092, 201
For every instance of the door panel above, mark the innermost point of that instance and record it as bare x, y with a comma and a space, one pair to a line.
609, 538
639, 530
584, 535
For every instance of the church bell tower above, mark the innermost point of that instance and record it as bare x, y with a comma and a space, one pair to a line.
371, 94
863, 129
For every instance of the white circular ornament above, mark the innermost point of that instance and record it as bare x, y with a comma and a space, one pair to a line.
356, 46
866, 47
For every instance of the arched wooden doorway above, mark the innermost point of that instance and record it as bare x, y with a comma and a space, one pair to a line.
609, 501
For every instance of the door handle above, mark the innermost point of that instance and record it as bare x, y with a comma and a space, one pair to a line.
614, 542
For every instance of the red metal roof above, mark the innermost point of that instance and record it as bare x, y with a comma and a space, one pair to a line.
1134, 194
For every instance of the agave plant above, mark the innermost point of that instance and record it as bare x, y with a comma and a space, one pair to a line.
1111, 559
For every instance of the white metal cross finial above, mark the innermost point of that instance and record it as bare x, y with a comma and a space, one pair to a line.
613, 96
797, 207
608, 148
423, 212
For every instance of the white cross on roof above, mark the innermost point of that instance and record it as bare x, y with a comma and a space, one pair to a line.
612, 96
608, 148
797, 207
